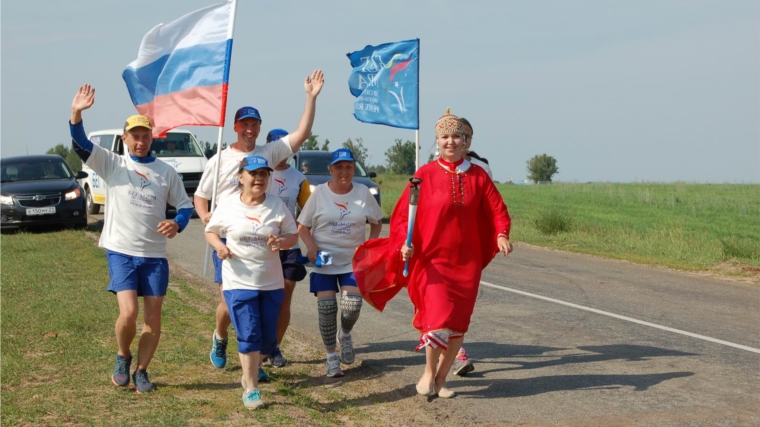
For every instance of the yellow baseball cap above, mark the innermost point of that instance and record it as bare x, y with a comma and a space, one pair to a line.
137, 121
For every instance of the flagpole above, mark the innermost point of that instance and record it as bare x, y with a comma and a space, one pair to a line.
230, 33
417, 132
417, 148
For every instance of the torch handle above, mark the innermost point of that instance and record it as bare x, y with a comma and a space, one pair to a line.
410, 230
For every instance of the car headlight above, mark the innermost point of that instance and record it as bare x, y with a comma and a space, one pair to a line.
374, 191
6, 200
71, 195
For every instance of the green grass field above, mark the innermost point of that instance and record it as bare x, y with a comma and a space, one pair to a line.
687, 226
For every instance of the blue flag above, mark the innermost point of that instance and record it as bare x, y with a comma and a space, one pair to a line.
386, 81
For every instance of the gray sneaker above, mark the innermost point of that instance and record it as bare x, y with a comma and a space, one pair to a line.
120, 375
333, 367
277, 359
462, 364
142, 383
347, 355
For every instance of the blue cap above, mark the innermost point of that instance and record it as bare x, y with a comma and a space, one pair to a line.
251, 163
247, 113
276, 134
342, 155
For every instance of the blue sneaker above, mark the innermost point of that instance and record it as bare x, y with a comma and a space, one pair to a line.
277, 359
252, 399
218, 354
120, 377
263, 377
142, 383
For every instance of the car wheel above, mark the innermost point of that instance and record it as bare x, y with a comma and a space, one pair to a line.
92, 208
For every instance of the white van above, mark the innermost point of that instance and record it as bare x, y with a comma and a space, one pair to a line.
179, 149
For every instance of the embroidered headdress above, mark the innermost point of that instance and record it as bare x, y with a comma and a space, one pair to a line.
448, 124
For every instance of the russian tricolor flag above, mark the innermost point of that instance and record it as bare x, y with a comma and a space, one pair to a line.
182, 69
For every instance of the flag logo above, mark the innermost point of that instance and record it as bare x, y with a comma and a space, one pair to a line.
343, 209
256, 222
144, 182
281, 184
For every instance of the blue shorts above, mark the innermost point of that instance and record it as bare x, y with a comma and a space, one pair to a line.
291, 269
217, 265
254, 315
148, 276
329, 282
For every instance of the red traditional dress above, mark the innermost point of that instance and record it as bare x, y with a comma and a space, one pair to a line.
459, 216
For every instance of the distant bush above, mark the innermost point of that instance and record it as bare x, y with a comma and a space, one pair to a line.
554, 221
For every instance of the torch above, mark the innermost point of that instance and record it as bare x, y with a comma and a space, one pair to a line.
414, 197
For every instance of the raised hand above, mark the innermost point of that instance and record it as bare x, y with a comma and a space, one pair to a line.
313, 84
84, 98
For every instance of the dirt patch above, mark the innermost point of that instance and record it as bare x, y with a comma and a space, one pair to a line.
736, 271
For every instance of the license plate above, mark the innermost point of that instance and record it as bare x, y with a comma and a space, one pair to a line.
41, 211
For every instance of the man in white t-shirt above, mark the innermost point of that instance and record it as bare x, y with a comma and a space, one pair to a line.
135, 231
247, 127
292, 187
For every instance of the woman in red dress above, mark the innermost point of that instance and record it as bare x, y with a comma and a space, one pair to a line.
461, 224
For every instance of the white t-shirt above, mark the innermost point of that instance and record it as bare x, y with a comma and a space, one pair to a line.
274, 152
136, 195
483, 165
337, 223
253, 265
288, 184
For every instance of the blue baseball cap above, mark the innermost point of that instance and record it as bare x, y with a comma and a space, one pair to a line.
342, 155
251, 163
247, 113
276, 134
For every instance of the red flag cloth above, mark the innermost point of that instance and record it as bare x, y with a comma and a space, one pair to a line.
458, 219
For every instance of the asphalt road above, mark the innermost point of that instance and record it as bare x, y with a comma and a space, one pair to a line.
541, 362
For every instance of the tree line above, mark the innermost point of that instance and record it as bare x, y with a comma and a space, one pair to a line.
399, 158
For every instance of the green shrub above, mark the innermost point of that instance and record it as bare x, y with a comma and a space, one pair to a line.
554, 221
741, 249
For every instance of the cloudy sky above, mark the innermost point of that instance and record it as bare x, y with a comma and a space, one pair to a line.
621, 91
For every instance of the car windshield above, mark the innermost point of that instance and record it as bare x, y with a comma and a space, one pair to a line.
176, 144
33, 170
315, 163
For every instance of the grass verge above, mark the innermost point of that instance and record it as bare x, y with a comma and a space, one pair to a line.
58, 353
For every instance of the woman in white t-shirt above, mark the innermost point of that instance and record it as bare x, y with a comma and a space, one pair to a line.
333, 221
256, 227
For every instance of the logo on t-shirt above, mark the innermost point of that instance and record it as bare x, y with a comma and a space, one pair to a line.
256, 222
143, 180
281, 183
343, 208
